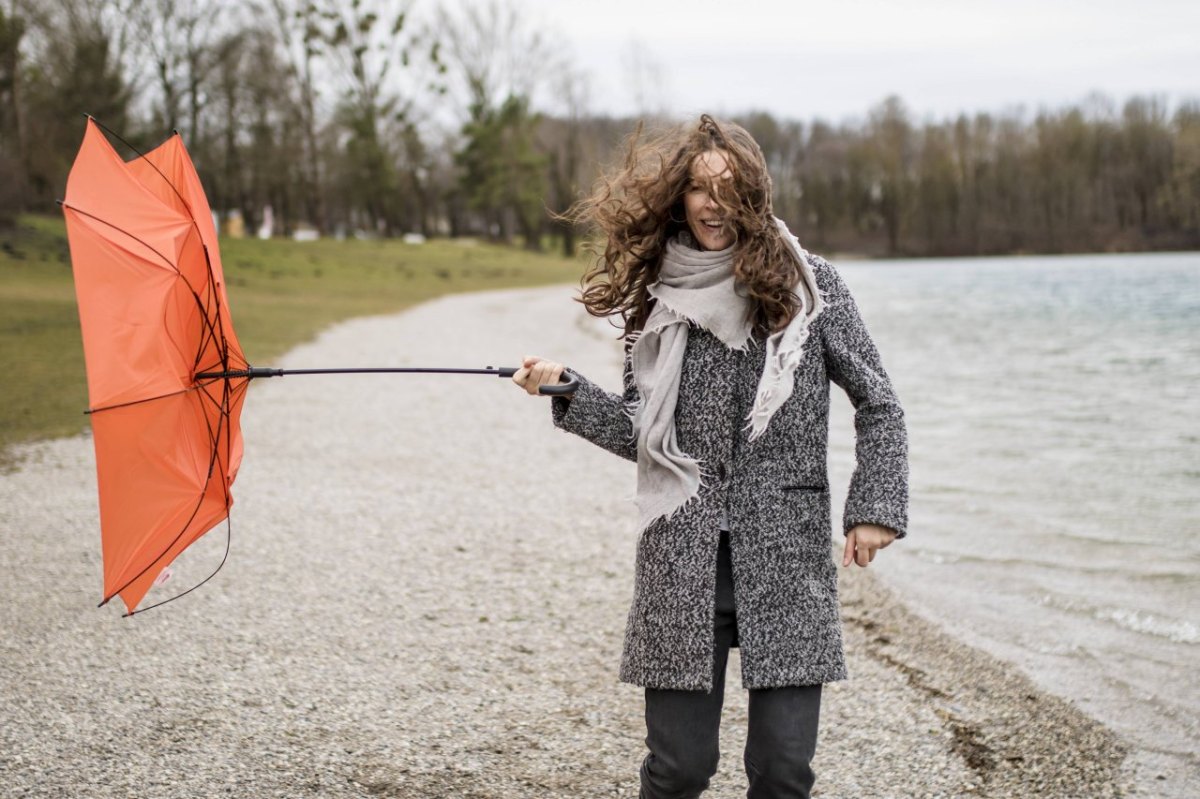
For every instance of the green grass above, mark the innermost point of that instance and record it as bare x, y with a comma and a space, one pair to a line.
281, 293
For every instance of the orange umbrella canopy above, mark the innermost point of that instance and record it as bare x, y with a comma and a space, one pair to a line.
154, 314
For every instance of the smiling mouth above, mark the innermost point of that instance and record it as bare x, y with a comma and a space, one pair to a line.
713, 225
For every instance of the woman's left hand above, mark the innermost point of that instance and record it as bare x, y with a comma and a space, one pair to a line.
863, 540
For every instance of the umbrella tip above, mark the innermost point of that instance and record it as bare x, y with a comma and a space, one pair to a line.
59, 202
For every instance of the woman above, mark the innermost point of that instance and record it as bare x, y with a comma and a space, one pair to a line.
732, 334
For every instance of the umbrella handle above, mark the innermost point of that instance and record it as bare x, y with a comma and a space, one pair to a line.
567, 385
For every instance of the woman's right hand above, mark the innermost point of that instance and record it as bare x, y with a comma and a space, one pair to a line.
536, 372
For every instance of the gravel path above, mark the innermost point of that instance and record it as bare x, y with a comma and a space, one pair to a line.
426, 597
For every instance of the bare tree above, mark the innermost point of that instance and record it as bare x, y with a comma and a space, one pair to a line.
382, 62
491, 53
75, 45
179, 37
12, 145
496, 62
298, 26
646, 80
890, 139
563, 139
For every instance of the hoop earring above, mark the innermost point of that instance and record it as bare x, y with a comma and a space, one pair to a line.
671, 216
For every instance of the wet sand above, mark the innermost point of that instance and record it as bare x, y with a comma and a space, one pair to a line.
426, 596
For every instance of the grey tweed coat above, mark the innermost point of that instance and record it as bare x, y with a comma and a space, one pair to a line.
776, 493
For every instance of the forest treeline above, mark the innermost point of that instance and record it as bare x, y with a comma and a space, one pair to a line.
360, 115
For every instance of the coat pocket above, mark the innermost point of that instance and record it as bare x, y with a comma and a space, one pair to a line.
803, 487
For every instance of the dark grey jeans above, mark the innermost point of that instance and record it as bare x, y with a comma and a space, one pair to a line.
682, 727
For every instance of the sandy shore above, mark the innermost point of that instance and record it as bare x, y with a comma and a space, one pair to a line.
426, 597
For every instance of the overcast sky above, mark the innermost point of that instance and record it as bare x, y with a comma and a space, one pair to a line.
833, 60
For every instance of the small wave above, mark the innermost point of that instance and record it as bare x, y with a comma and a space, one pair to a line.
1181, 632
930, 556
1092, 538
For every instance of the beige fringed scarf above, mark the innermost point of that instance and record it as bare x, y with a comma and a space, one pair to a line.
698, 286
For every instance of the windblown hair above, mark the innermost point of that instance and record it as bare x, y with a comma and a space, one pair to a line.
639, 206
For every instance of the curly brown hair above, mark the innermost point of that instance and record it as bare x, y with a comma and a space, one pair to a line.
637, 207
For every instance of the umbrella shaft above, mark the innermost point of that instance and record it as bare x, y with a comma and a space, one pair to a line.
266, 371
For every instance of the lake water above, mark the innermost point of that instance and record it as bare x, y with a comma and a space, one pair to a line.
1052, 405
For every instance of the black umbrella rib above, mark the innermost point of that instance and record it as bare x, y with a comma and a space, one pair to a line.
90, 411
212, 333
219, 325
208, 331
186, 525
120, 229
199, 502
221, 565
195, 226
215, 442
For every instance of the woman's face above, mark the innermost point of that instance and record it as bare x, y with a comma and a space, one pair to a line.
704, 217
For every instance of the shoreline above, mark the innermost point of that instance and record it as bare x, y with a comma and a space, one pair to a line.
392, 624
1017, 739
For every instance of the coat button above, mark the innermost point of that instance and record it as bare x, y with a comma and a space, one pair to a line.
721, 472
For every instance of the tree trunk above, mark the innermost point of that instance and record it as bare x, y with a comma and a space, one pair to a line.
20, 170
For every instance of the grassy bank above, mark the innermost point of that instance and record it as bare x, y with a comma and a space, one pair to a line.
281, 293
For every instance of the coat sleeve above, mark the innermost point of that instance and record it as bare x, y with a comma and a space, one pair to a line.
599, 415
879, 487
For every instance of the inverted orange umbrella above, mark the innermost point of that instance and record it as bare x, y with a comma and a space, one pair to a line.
166, 375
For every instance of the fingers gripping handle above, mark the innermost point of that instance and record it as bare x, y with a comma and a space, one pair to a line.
567, 385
